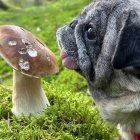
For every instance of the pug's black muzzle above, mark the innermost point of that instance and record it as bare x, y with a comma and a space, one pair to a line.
71, 40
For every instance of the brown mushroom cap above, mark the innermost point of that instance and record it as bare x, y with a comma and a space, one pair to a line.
25, 52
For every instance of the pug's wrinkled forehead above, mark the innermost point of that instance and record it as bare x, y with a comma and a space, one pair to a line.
100, 10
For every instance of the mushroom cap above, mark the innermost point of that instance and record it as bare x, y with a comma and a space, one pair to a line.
25, 52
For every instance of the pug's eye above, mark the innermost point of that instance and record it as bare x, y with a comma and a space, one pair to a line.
91, 34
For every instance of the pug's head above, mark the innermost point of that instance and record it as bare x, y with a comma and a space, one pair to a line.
105, 37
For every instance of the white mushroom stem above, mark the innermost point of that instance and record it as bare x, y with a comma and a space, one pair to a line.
28, 95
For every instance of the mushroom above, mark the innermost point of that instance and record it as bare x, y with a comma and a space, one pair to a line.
31, 60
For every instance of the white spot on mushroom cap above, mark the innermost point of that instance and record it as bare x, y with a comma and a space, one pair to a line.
22, 51
41, 46
32, 52
48, 58
25, 42
12, 43
24, 65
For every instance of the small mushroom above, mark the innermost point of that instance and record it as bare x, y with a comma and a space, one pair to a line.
31, 60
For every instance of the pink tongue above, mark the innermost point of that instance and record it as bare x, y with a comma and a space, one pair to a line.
67, 61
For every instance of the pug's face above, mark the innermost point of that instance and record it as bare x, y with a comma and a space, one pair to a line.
101, 39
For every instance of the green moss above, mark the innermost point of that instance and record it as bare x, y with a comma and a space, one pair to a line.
71, 116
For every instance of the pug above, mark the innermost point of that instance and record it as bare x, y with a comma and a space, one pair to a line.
103, 45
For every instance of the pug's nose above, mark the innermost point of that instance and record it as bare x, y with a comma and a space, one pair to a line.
73, 23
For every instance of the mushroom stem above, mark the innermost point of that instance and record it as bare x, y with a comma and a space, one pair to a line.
28, 95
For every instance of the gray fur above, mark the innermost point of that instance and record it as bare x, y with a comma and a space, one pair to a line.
116, 92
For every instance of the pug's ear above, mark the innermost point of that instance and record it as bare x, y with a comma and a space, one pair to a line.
127, 51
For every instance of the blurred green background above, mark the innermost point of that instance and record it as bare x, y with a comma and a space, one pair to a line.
73, 114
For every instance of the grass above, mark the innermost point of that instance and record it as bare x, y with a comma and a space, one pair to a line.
72, 115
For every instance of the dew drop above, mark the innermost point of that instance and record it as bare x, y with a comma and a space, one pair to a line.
22, 51
12, 43
32, 52
24, 65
